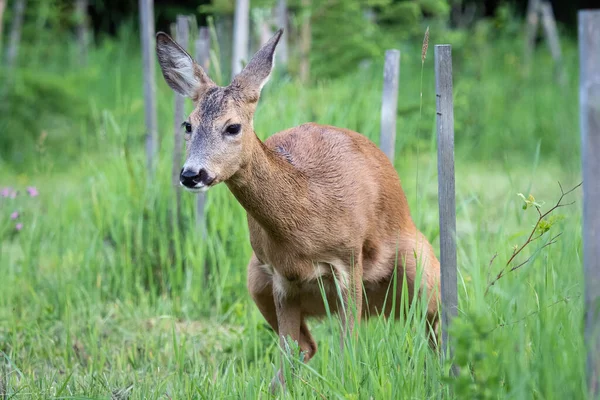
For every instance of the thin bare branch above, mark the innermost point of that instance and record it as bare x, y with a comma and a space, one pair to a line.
531, 238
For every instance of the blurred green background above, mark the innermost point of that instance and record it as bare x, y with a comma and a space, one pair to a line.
105, 292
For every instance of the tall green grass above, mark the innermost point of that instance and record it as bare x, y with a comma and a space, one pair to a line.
102, 295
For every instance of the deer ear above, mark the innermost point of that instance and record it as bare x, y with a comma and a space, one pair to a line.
256, 73
180, 70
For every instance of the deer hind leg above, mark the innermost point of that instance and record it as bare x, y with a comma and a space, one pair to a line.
416, 256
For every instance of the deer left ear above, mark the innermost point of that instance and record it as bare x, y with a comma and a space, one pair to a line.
179, 69
256, 73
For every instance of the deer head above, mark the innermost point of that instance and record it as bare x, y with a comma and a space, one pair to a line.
219, 132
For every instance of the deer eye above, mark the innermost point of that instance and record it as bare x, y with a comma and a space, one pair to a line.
233, 129
188, 127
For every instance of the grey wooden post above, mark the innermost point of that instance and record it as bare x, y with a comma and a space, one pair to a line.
389, 103
531, 28
203, 58
203, 48
589, 99
147, 37
549, 24
446, 189
15, 32
240, 35
2, 9
81, 11
282, 22
182, 37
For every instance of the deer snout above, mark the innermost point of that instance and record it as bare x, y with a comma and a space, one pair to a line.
192, 179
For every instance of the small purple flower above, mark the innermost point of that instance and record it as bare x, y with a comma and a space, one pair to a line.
5, 192
14, 215
32, 191
13, 194
19, 226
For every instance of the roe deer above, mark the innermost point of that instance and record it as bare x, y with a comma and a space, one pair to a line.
324, 204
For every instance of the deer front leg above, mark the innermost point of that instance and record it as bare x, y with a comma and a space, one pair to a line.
350, 281
289, 318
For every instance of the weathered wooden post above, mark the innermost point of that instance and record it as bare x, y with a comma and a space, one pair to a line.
549, 24
147, 37
182, 37
2, 9
203, 58
81, 12
15, 33
531, 29
203, 48
589, 100
446, 189
305, 41
389, 103
282, 22
241, 28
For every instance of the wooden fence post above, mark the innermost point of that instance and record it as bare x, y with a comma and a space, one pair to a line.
15, 33
240, 36
147, 37
203, 48
203, 58
589, 99
282, 22
446, 189
389, 103
305, 41
182, 37
531, 29
549, 24
81, 12
2, 9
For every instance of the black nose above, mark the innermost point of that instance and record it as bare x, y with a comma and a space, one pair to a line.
190, 178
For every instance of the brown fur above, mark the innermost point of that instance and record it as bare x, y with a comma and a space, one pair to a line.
323, 204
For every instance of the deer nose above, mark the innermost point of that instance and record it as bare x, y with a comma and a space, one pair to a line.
191, 179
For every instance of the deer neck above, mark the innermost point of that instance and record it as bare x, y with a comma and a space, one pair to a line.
271, 190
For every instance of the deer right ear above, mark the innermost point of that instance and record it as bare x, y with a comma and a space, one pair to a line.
181, 72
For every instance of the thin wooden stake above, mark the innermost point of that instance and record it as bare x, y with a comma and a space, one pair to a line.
389, 103
147, 37
445, 137
81, 11
549, 24
589, 99
15, 33
531, 29
240, 36
2, 9
203, 58
182, 37
305, 41
282, 22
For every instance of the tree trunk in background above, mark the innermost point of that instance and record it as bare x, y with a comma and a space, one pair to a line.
240, 35
282, 22
15, 32
81, 11
305, 41
531, 29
